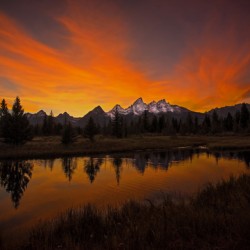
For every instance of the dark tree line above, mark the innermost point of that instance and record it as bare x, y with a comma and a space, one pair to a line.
166, 124
15, 127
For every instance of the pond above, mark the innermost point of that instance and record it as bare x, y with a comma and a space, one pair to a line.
33, 190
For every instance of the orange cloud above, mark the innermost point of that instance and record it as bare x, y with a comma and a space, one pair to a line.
213, 72
92, 67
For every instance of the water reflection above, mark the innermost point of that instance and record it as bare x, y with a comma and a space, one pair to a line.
92, 167
117, 163
14, 178
16, 175
69, 166
161, 160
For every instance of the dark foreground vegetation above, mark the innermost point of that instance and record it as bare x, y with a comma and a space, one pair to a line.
217, 217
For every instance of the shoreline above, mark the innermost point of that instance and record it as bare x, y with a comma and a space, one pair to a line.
51, 147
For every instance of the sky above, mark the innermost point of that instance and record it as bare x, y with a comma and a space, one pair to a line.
72, 56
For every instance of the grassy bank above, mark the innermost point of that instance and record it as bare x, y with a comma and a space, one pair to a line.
218, 217
52, 147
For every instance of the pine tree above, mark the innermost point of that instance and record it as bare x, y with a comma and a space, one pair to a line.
117, 124
50, 123
19, 127
45, 125
244, 116
215, 122
228, 122
189, 123
161, 123
4, 120
145, 122
68, 135
196, 125
90, 130
154, 124
206, 125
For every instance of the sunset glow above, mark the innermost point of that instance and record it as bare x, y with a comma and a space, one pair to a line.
74, 55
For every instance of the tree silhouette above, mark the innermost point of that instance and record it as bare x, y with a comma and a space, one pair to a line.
206, 125
19, 128
215, 122
68, 135
117, 124
69, 165
117, 163
4, 120
228, 122
244, 116
92, 167
14, 178
154, 124
90, 130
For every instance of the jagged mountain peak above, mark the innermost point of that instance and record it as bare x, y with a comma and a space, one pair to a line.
138, 101
162, 101
138, 107
98, 108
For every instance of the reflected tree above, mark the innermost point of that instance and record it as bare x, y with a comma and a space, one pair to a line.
48, 163
14, 178
117, 163
92, 167
244, 156
69, 165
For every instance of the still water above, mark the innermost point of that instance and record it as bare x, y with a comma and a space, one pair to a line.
39, 189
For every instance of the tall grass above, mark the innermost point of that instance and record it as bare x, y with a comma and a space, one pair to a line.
217, 217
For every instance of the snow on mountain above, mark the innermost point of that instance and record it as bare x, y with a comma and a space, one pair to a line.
138, 107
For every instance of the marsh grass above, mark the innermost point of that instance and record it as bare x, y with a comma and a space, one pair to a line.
217, 217
46, 147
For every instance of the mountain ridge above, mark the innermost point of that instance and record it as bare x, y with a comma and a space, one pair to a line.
134, 110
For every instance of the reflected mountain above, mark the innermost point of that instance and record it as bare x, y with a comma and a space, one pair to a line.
14, 178
92, 167
69, 165
117, 163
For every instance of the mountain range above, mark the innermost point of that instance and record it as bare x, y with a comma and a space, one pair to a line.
132, 112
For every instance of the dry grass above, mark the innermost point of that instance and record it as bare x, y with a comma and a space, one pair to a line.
218, 217
52, 147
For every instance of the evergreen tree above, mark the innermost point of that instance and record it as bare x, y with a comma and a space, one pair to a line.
68, 135
189, 123
175, 125
161, 123
90, 130
50, 124
237, 121
4, 120
215, 122
196, 125
228, 122
145, 127
154, 124
45, 125
19, 127
117, 124
244, 116
206, 125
